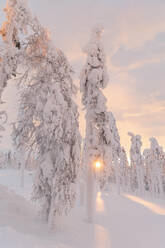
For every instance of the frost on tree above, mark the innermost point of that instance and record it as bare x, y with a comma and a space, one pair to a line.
97, 144
154, 160
137, 166
155, 164
8, 66
148, 170
124, 173
10, 55
14, 44
49, 123
117, 154
18, 18
58, 140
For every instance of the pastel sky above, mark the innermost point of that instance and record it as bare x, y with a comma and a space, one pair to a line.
134, 40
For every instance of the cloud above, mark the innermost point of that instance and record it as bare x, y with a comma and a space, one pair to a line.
140, 23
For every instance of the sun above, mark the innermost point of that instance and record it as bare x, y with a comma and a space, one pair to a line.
98, 164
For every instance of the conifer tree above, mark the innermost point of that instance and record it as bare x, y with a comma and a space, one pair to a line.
116, 152
48, 117
11, 55
148, 171
124, 170
156, 167
18, 18
94, 78
137, 165
49, 124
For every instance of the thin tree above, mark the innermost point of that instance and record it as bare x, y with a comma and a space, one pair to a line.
156, 167
116, 153
97, 144
137, 164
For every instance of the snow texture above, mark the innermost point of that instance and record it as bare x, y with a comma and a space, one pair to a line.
119, 221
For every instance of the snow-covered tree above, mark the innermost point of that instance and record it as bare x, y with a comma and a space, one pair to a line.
124, 171
97, 144
17, 20
148, 172
117, 155
49, 123
137, 166
102, 141
48, 117
13, 52
94, 77
155, 168
18, 17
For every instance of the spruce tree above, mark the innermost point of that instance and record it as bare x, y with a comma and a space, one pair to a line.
137, 163
156, 167
49, 124
18, 19
48, 117
94, 78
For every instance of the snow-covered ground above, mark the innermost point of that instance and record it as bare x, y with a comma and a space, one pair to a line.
122, 221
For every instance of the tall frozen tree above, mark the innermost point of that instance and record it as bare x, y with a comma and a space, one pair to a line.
124, 173
14, 32
148, 170
98, 143
116, 152
48, 116
156, 167
118, 158
17, 20
137, 166
49, 123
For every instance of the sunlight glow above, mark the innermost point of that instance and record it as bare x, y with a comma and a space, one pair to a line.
98, 164
151, 206
99, 203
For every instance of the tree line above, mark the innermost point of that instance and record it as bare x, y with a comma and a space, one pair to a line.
47, 126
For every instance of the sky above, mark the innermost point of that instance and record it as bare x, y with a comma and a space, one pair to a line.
134, 41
